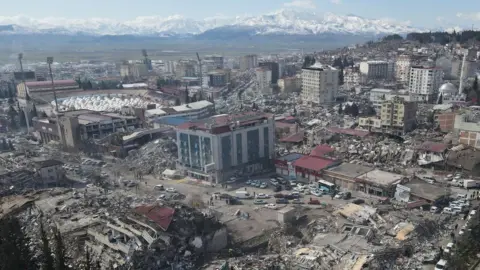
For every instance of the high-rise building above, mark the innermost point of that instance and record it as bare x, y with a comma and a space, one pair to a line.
185, 69
225, 146
274, 67
319, 84
424, 82
374, 69
248, 62
263, 79
397, 117
469, 70
402, 68
217, 59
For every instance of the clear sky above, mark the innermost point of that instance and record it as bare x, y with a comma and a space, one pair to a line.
422, 13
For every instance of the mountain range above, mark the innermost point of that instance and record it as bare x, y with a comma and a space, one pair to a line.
282, 22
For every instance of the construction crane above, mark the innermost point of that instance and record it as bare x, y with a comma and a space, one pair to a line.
201, 72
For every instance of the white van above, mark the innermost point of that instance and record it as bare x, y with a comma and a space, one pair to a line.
457, 209
448, 210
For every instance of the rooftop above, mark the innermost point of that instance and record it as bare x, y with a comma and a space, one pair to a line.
161, 215
379, 177
350, 170
319, 66
425, 190
291, 157
49, 83
314, 163
225, 120
92, 118
295, 138
193, 106
381, 90
321, 150
433, 147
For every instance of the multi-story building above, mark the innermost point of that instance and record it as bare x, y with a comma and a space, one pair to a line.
185, 69
319, 84
397, 117
219, 77
353, 78
379, 95
133, 70
263, 79
424, 82
217, 59
191, 111
374, 69
467, 126
290, 84
248, 62
225, 146
51, 172
402, 68
274, 67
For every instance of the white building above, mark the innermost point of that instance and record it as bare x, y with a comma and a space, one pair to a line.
379, 95
402, 68
225, 146
263, 80
319, 84
353, 78
424, 82
374, 69
248, 62
195, 110
217, 59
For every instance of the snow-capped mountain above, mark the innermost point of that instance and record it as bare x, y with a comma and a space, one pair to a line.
283, 22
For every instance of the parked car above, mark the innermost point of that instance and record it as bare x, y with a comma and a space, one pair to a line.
288, 187
277, 188
441, 265
271, 206
281, 201
259, 202
262, 196
278, 195
316, 192
159, 187
347, 195
171, 189
448, 248
434, 209
263, 185
297, 201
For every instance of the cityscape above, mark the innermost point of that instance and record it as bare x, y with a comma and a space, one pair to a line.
284, 141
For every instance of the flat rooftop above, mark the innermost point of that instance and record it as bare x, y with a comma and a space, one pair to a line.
92, 118
225, 120
379, 177
350, 170
425, 190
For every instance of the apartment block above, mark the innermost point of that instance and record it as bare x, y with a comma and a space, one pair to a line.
375, 69
424, 82
319, 84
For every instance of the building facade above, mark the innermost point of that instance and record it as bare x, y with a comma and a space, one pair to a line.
424, 83
402, 68
319, 84
374, 69
263, 79
397, 117
469, 70
51, 172
248, 62
290, 84
274, 67
217, 60
379, 95
225, 146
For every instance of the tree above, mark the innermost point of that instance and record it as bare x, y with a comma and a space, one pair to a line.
347, 109
14, 251
43, 115
340, 108
103, 85
60, 263
177, 102
354, 110
338, 63
89, 85
476, 89
440, 99
47, 263
187, 97
4, 144
11, 101
12, 114
194, 98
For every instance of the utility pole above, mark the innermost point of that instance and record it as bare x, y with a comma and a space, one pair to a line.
49, 62
27, 98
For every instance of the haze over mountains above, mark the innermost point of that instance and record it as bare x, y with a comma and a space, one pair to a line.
282, 22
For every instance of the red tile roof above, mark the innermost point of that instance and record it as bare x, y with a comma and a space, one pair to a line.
346, 131
433, 147
161, 215
295, 138
321, 150
314, 163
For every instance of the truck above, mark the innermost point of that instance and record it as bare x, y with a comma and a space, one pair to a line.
470, 184
243, 194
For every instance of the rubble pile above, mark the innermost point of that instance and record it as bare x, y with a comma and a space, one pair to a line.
152, 158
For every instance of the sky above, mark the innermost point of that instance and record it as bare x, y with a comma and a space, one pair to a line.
421, 13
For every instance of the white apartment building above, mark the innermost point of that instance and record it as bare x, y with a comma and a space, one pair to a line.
402, 68
374, 69
263, 80
225, 146
379, 95
424, 83
319, 84
353, 78
248, 62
